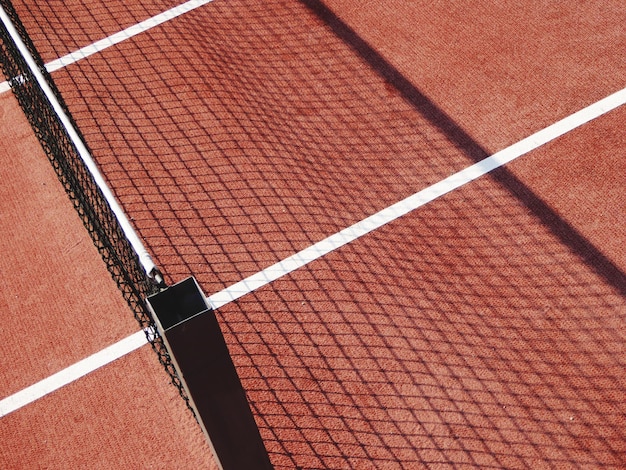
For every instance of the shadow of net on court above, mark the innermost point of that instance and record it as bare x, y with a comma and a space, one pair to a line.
440, 338
466, 333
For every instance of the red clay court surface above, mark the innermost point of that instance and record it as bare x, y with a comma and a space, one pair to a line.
484, 329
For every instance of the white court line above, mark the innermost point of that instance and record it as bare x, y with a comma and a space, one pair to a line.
118, 37
72, 373
411, 203
327, 245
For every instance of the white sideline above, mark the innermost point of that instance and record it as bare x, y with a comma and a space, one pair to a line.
72, 373
118, 37
234, 292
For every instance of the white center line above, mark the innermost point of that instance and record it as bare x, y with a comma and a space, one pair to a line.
118, 37
349, 234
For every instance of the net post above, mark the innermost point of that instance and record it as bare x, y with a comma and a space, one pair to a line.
200, 355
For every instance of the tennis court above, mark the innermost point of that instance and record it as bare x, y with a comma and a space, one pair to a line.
408, 218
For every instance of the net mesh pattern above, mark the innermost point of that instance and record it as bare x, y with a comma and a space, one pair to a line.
481, 330
89, 202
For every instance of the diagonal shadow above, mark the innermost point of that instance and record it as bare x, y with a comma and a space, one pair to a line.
568, 234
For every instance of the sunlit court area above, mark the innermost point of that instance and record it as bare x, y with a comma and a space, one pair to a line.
302, 234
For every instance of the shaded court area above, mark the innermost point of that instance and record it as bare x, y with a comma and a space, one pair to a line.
484, 329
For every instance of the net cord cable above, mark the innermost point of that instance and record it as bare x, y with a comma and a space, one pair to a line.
144, 257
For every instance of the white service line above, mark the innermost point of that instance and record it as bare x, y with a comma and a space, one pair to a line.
72, 373
325, 246
116, 38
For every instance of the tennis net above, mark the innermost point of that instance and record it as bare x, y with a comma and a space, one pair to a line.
126, 259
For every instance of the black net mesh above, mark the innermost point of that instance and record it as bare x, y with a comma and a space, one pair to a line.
103, 227
480, 330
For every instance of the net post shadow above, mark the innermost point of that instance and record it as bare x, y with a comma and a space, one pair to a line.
199, 353
566, 233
